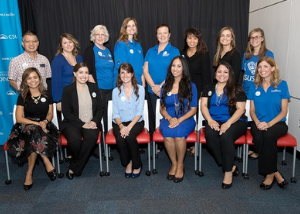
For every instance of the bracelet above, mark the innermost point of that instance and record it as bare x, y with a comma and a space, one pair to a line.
47, 120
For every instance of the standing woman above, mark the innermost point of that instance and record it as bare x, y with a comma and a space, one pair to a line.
226, 51
156, 64
196, 54
223, 106
256, 49
99, 60
178, 106
268, 108
127, 49
62, 65
34, 134
82, 108
128, 122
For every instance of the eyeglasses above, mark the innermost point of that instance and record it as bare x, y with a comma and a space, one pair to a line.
255, 37
30, 41
101, 35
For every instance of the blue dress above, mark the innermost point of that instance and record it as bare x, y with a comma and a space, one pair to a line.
185, 127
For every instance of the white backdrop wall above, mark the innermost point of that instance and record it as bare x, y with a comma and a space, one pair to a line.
280, 21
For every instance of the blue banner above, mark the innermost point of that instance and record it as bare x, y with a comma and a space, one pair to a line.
10, 47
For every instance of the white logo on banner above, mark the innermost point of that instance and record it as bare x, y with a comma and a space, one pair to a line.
1, 113
12, 36
10, 93
10, 58
7, 14
1, 133
4, 79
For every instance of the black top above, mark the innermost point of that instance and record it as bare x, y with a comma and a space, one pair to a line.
199, 68
39, 110
233, 57
70, 106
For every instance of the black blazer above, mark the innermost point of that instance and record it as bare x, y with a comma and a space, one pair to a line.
70, 107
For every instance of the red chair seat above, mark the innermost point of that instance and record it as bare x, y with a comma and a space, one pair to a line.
202, 139
143, 137
64, 141
158, 137
286, 140
5, 147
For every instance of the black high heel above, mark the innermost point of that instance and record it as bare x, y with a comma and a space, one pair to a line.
226, 186
27, 187
236, 171
52, 174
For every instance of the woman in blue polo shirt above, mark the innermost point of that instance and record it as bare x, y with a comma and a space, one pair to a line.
127, 49
156, 64
223, 106
128, 121
256, 48
268, 108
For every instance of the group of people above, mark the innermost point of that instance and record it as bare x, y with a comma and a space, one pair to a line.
82, 87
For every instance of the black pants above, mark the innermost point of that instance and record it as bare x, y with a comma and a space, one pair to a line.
222, 146
128, 147
265, 143
80, 150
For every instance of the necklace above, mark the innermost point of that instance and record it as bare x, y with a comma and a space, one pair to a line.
69, 60
176, 107
218, 96
36, 100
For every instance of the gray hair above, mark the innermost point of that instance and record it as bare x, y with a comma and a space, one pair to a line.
96, 29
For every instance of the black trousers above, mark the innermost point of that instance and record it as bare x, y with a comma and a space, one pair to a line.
222, 146
128, 147
265, 143
81, 143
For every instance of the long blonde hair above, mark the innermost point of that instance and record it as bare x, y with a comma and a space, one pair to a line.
70, 37
123, 34
220, 46
275, 77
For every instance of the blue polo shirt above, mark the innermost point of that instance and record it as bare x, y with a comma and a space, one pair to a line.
104, 68
131, 53
268, 104
125, 109
249, 66
158, 63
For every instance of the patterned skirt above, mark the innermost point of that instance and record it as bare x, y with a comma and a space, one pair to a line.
25, 139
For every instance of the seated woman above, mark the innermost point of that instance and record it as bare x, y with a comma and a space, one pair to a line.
178, 106
83, 109
34, 134
268, 108
128, 107
223, 106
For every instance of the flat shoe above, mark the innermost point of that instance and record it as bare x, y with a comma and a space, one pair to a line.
52, 174
128, 175
170, 177
70, 175
283, 184
27, 187
177, 180
226, 186
264, 186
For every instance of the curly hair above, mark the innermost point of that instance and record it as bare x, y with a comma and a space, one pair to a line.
127, 67
263, 46
275, 77
123, 34
24, 89
201, 46
184, 90
231, 88
220, 46
96, 30
70, 37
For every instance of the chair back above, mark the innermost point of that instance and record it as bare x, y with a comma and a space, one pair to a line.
158, 115
200, 116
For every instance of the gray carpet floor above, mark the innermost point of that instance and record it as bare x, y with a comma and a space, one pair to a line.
91, 193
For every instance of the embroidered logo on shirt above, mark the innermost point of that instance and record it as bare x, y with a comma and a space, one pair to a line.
275, 90
131, 51
169, 93
43, 99
100, 53
209, 93
123, 98
94, 94
165, 53
257, 93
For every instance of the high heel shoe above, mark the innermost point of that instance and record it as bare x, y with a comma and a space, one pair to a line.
69, 175
170, 177
135, 175
226, 186
27, 187
236, 171
52, 174
128, 175
178, 180
264, 186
